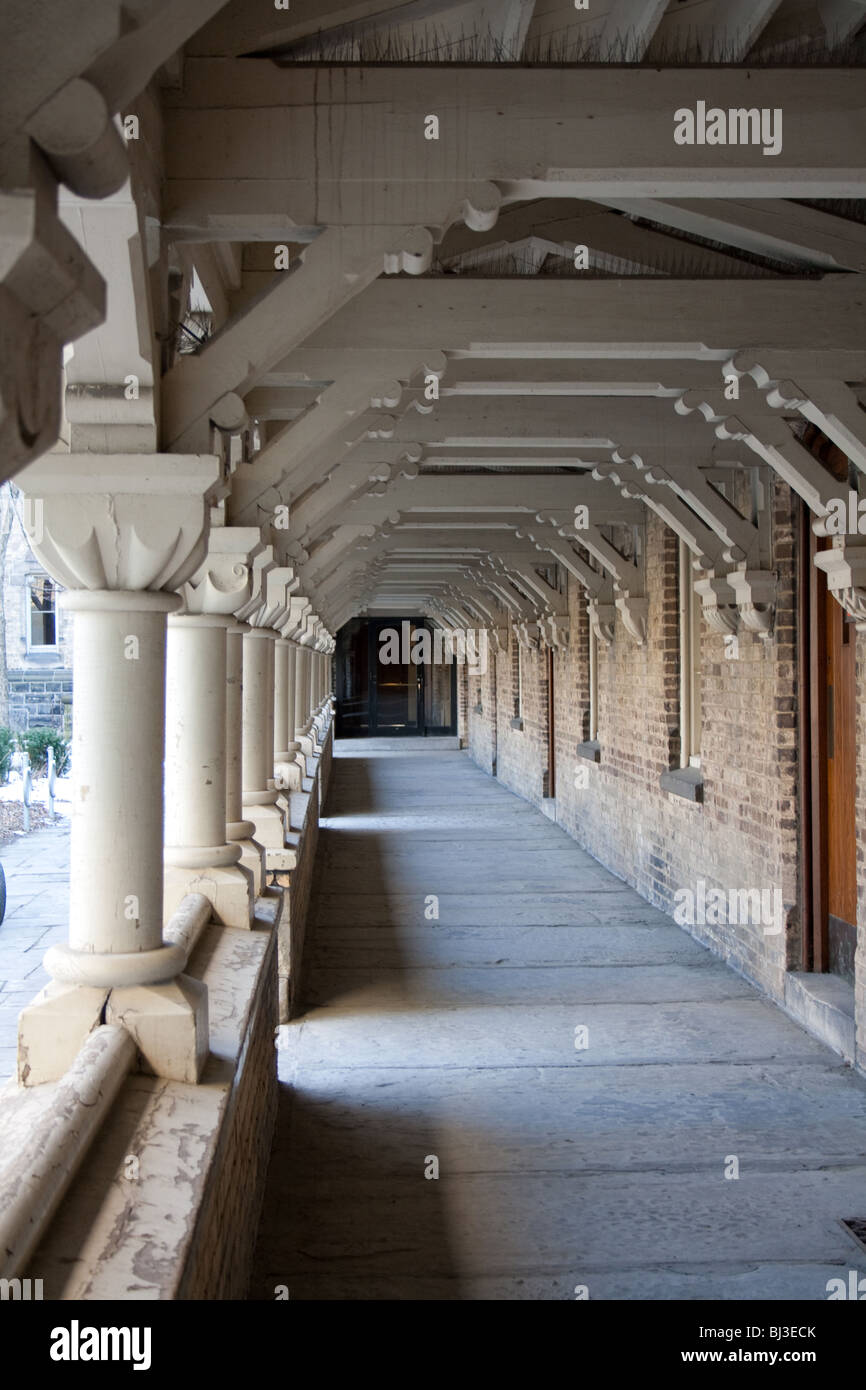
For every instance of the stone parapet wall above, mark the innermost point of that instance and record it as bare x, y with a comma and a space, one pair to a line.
167, 1200
306, 808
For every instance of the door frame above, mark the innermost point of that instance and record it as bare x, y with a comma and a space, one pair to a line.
374, 628
812, 661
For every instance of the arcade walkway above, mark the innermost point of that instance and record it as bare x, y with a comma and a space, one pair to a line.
454, 1039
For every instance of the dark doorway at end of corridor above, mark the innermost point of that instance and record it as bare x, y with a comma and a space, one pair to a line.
394, 678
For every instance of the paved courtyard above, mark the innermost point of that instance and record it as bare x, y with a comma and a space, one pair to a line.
37, 895
603, 1159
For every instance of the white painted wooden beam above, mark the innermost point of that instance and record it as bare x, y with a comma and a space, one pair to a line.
300, 454
248, 137
775, 228
608, 237
334, 268
489, 495
610, 319
528, 422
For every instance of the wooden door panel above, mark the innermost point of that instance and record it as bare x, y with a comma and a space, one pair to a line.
841, 766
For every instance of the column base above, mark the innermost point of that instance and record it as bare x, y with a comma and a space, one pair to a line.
169, 1025
53, 1029
289, 774
252, 854
253, 858
230, 891
269, 826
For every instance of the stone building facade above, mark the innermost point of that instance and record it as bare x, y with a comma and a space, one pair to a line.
38, 642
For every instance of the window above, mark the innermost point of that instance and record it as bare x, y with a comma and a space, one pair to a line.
517, 681
593, 685
690, 664
518, 701
41, 612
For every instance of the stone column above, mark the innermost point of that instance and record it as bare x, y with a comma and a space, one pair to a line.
259, 793
320, 683
199, 858
281, 700
292, 664
320, 721
238, 829
302, 693
286, 768
108, 543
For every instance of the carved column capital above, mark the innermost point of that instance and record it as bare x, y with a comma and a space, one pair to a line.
223, 581
121, 522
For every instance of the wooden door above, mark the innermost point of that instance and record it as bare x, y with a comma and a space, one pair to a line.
841, 754
828, 759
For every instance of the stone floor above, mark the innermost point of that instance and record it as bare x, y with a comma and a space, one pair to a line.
37, 915
453, 1038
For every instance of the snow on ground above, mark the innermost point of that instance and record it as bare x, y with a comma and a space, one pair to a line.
11, 791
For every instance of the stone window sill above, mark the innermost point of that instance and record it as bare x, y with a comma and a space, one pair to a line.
686, 782
590, 750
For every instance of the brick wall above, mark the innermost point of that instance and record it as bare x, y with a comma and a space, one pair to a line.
744, 835
522, 756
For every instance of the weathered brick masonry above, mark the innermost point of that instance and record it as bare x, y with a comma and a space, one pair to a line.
744, 835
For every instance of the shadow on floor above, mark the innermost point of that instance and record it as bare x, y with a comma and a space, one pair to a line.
346, 1192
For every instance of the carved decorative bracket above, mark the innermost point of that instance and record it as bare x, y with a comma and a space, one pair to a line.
845, 568
554, 628
717, 598
602, 617
755, 597
528, 635
634, 612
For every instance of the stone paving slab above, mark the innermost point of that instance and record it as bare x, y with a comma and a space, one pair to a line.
740, 1029
454, 1038
570, 1120
481, 1225
365, 948
37, 913
405, 910
345, 991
